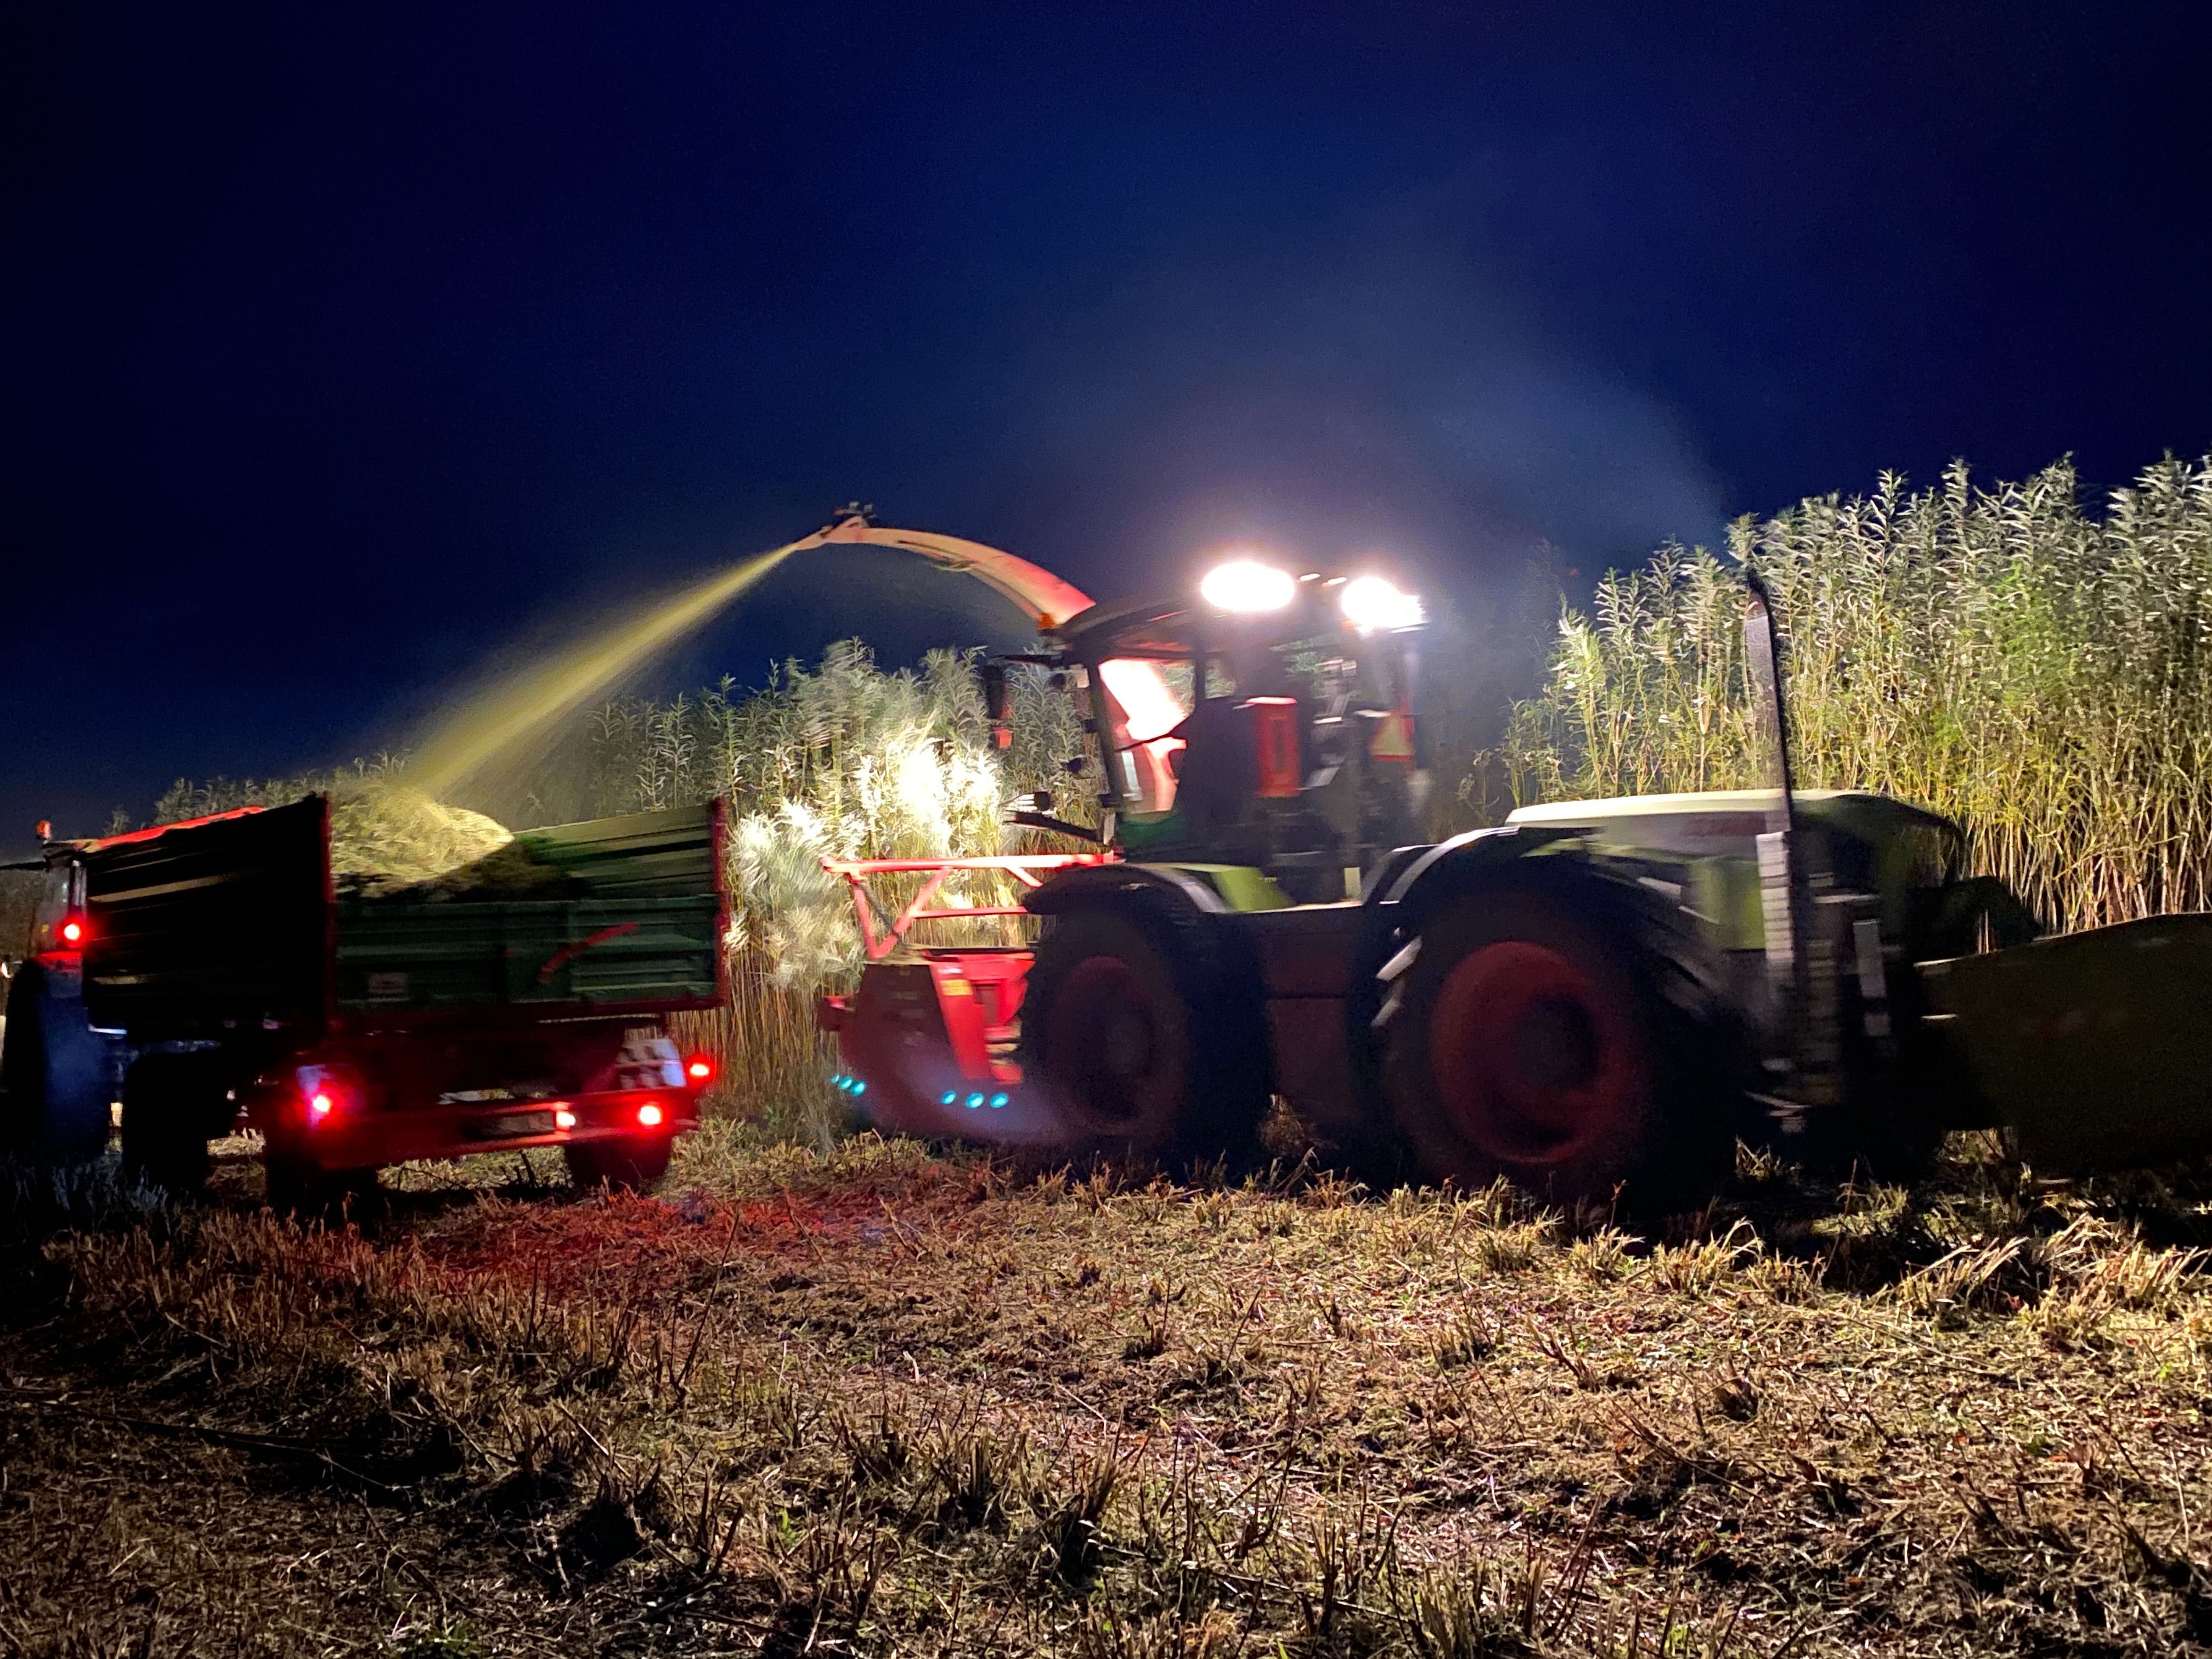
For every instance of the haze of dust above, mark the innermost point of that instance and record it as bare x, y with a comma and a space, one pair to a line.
505, 713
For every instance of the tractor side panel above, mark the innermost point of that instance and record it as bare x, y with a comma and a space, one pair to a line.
2090, 1046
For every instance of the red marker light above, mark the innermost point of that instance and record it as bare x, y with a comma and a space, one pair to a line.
699, 1068
563, 1118
73, 932
650, 1114
325, 1095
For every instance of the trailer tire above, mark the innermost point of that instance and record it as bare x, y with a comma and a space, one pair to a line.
302, 1188
1556, 1029
632, 1165
172, 1106
56, 1080
1136, 1033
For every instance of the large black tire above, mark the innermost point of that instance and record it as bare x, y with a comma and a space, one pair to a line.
299, 1187
57, 1078
1143, 1040
173, 1105
634, 1164
1562, 1030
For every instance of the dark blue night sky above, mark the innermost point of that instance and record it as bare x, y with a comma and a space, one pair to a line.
346, 346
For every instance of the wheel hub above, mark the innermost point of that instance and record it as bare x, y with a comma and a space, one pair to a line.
1108, 1052
1535, 1063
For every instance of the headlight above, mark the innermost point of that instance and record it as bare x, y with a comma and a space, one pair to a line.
1243, 586
1375, 606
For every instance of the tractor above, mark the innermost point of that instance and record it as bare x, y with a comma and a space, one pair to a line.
1596, 1001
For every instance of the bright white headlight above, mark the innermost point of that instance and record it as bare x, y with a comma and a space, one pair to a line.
1246, 585
1375, 606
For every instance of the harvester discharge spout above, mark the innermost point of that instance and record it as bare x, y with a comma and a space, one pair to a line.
1044, 597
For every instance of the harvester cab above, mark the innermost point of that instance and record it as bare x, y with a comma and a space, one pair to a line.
1264, 724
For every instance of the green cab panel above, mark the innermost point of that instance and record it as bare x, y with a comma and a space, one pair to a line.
1239, 886
2090, 1046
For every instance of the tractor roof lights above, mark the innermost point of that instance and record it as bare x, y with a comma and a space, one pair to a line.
1246, 587
1375, 605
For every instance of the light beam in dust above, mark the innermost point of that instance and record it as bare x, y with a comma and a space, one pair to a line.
505, 713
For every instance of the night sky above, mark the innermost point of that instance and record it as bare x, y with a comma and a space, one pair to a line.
346, 348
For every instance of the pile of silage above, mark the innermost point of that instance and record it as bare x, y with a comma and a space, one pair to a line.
391, 840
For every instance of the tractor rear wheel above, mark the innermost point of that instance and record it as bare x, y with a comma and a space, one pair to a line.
1141, 1048
1551, 1033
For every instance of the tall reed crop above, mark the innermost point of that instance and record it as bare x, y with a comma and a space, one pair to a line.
1995, 652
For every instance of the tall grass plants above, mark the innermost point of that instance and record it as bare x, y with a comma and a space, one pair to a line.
2041, 674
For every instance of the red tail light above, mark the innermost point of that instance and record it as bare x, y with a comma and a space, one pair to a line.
699, 1070
326, 1092
650, 1114
72, 931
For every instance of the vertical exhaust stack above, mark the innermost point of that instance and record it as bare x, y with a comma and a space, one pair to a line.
1803, 1056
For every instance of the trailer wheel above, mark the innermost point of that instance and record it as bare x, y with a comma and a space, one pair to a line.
172, 1105
1144, 1050
54, 1077
634, 1165
299, 1188
1550, 1033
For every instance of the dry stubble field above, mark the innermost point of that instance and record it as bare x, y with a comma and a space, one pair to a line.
883, 1399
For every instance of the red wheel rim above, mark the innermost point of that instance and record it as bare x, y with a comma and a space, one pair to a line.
1111, 1048
1534, 1063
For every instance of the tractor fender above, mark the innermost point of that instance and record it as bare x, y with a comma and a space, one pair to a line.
1451, 866
1414, 882
1485, 858
1150, 888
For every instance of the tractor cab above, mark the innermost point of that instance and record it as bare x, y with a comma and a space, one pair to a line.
1268, 724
